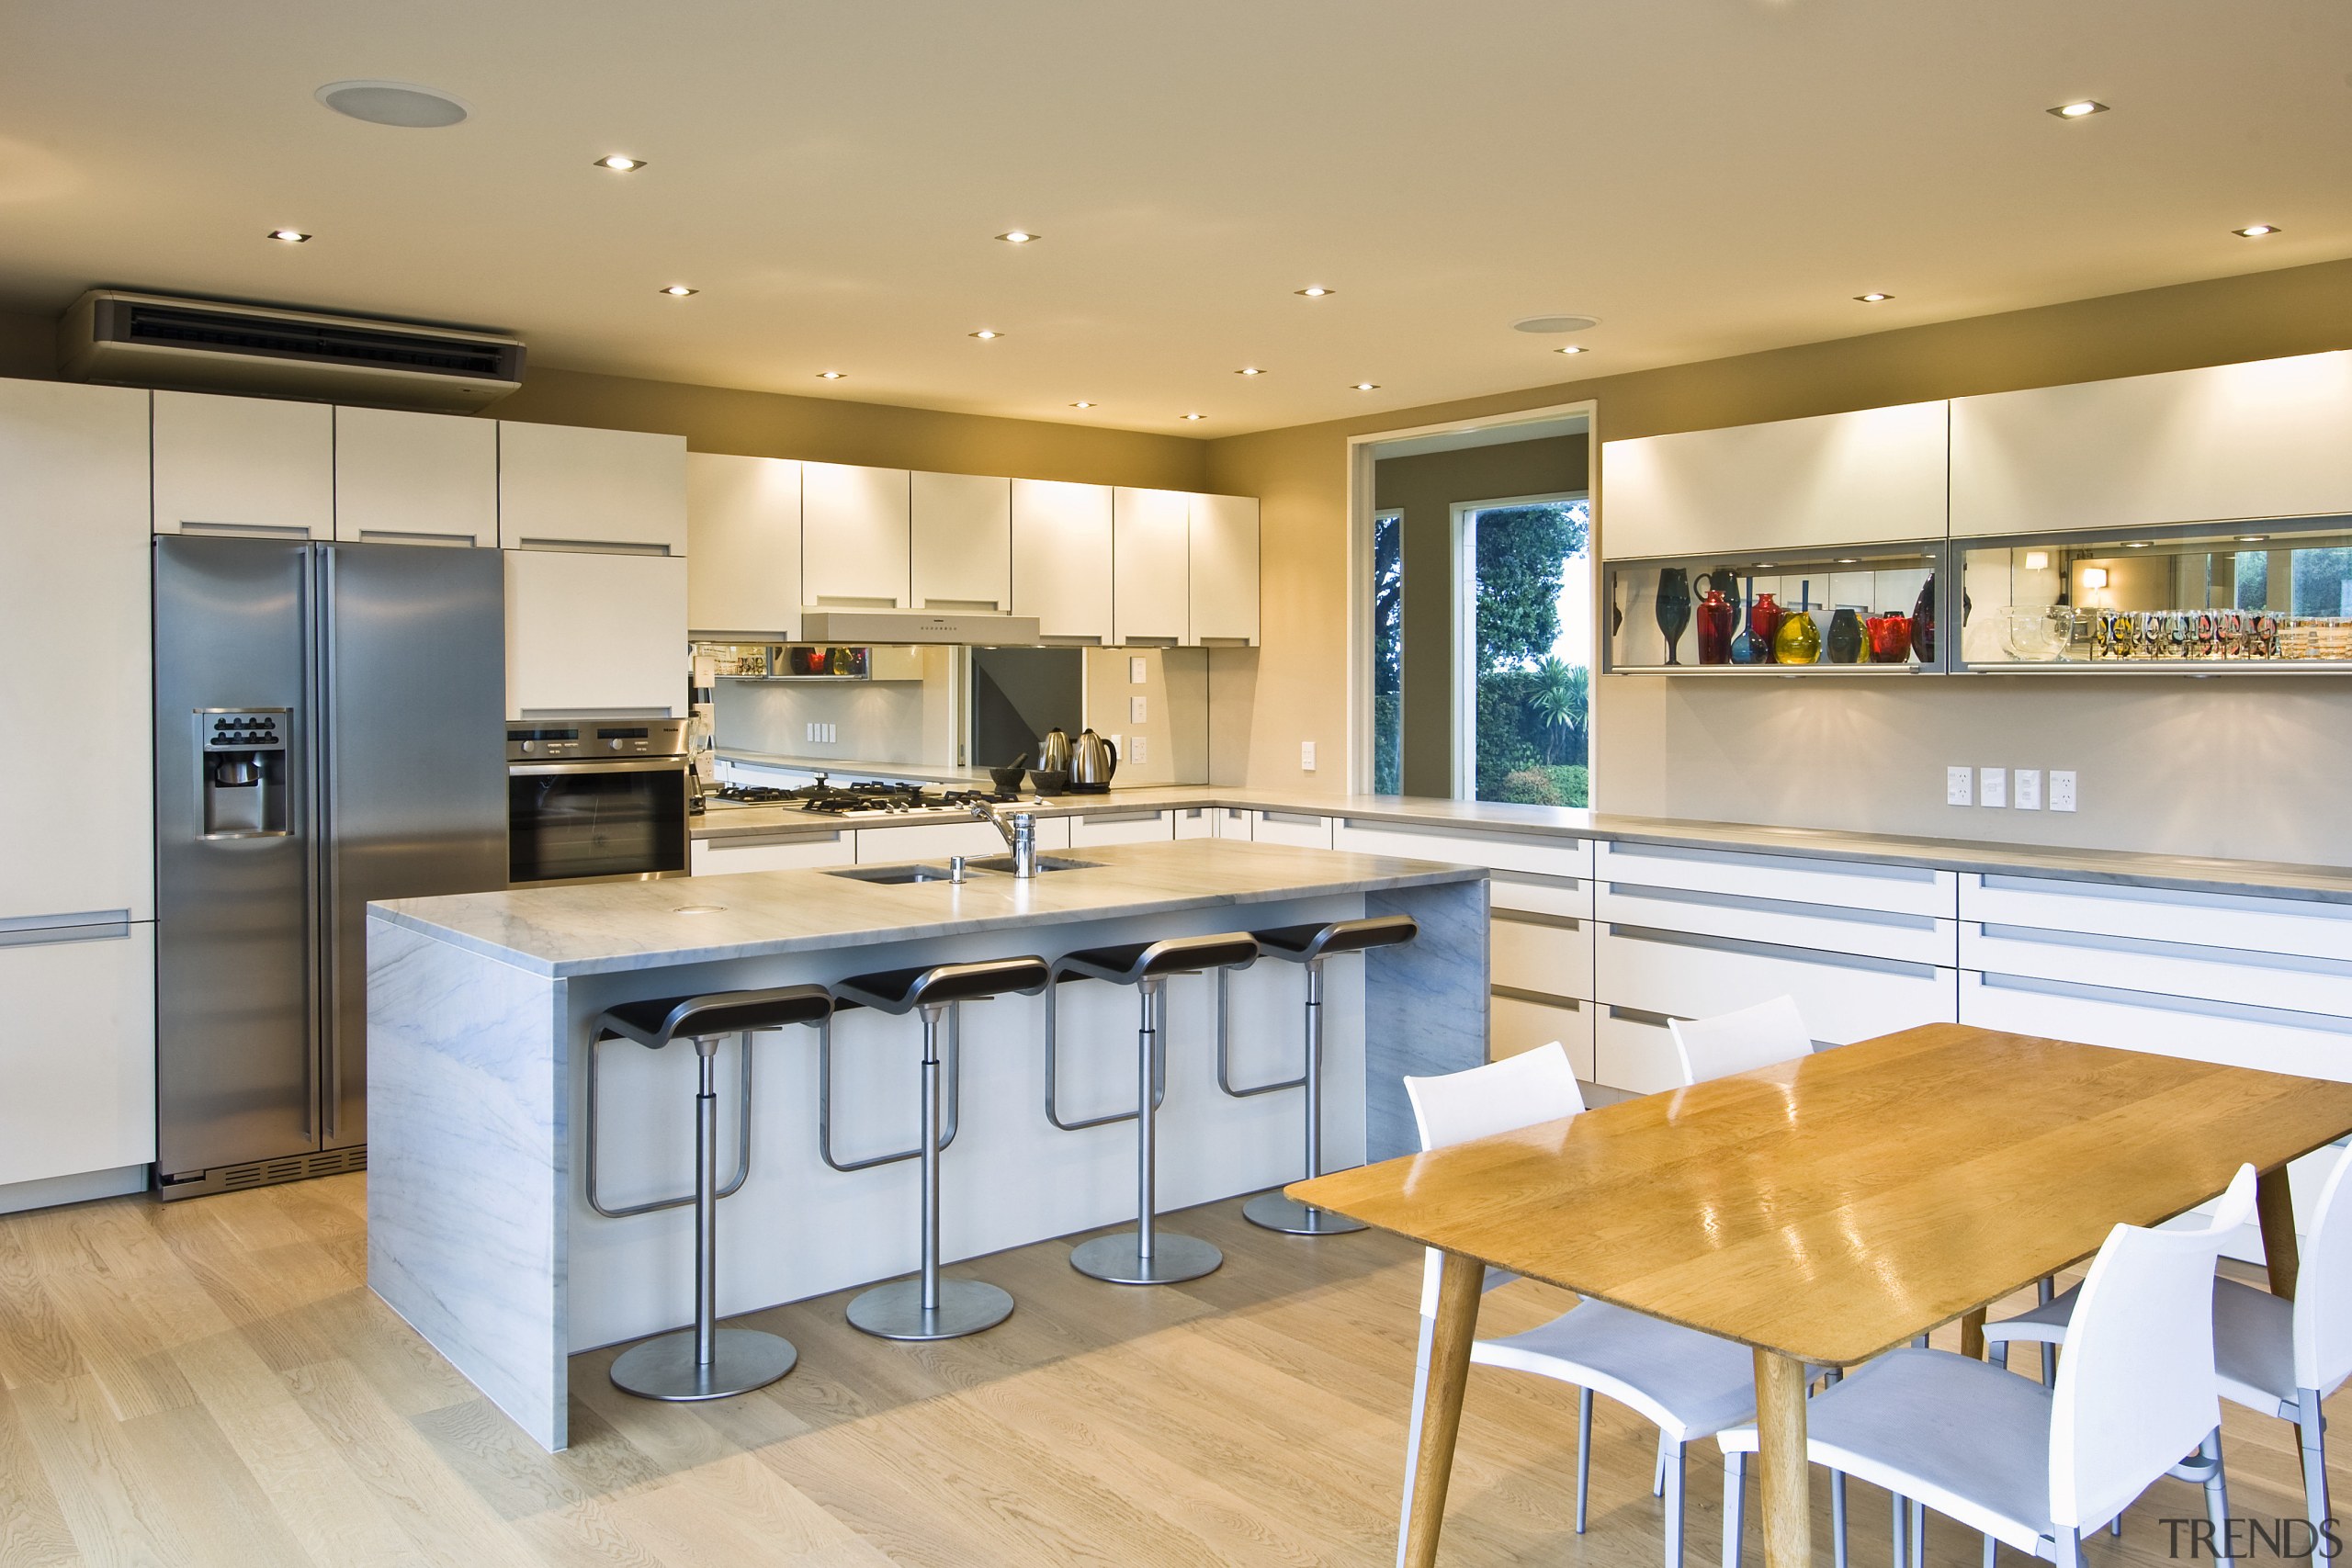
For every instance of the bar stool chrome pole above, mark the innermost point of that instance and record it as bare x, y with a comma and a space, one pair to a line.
927, 1307
1146, 1256
1310, 946
704, 1362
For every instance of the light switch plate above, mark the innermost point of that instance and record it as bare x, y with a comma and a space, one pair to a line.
1993, 787
1135, 710
1960, 786
1136, 665
1138, 747
2062, 789
1307, 756
2027, 795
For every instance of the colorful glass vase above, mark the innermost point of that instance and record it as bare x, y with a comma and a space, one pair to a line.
1890, 638
1844, 642
1923, 622
1716, 616
1798, 640
1763, 621
1743, 645
1673, 607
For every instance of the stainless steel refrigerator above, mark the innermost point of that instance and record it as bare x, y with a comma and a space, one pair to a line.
328, 730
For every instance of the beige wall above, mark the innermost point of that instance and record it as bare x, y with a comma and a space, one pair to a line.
2216, 767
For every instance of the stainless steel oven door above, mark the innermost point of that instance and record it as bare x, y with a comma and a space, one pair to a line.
624, 820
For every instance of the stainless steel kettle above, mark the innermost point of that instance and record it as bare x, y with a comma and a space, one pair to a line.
1091, 763
1053, 752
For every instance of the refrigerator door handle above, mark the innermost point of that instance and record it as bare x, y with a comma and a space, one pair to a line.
330, 1041
313, 705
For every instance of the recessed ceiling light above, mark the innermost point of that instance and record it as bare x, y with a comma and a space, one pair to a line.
2256, 231
679, 290
1019, 237
1318, 292
291, 236
621, 163
984, 335
1547, 325
1081, 403
1873, 298
1572, 348
2079, 109
1248, 370
831, 375
1196, 416
1367, 385
401, 104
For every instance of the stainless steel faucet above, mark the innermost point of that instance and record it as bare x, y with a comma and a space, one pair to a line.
1019, 830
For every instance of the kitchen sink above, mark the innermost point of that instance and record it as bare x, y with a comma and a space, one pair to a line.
1044, 864
894, 874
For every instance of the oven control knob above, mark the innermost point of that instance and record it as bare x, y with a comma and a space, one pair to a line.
613, 744
530, 746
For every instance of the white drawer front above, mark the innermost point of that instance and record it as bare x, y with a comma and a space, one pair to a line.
1121, 828
1634, 1053
1541, 853
1853, 884
1518, 1024
1843, 998
2161, 914
1567, 896
1305, 831
1230, 822
1196, 822
720, 857
2267, 1040
1550, 957
2170, 969
1917, 939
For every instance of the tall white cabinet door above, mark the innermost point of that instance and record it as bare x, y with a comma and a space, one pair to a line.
2262, 439
1061, 558
595, 633
79, 1053
77, 821
1839, 479
566, 485
1224, 569
742, 547
963, 542
259, 464
1152, 553
421, 478
853, 537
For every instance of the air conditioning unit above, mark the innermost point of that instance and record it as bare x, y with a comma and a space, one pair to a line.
154, 340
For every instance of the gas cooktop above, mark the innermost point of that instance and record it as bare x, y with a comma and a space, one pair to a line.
865, 797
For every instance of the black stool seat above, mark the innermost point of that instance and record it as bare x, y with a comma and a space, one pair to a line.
1301, 944
903, 990
658, 1021
1131, 962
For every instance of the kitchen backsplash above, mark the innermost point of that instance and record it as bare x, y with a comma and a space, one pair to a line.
870, 721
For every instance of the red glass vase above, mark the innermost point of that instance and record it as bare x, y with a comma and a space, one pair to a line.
1764, 618
1717, 615
1890, 639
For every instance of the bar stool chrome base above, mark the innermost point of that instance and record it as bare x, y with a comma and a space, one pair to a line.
742, 1360
895, 1311
1272, 1211
1119, 1260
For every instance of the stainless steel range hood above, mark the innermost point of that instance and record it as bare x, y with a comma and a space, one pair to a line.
973, 627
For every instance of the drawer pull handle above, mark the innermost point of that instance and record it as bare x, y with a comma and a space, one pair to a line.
2148, 1001
1903, 967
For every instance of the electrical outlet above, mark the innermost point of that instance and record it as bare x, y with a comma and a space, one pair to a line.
1140, 746
2027, 793
1135, 710
1993, 787
2062, 789
1307, 756
1960, 786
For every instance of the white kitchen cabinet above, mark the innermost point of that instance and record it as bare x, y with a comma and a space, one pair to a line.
1842, 996
1062, 559
77, 817
854, 538
963, 542
1223, 570
588, 632
1874, 475
1196, 822
1133, 827
724, 857
78, 1056
1548, 955
1537, 855
2256, 440
569, 486
1521, 1023
1743, 874
403, 477
1151, 566
1303, 828
929, 840
1230, 822
742, 547
251, 464
1633, 1051
1826, 928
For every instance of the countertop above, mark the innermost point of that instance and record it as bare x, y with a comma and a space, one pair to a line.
603, 928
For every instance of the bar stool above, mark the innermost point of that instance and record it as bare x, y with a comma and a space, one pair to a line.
704, 1362
1310, 945
928, 1307
1145, 1256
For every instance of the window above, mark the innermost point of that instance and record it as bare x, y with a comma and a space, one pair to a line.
1525, 624
1388, 653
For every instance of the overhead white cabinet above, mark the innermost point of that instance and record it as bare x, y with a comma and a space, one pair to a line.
855, 549
963, 542
1062, 558
1869, 476
1224, 569
2262, 439
569, 487
742, 547
592, 632
247, 465
1151, 566
415, 479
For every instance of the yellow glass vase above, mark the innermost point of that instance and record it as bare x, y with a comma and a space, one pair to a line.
1798, 641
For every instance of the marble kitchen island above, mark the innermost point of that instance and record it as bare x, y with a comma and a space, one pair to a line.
480, 1014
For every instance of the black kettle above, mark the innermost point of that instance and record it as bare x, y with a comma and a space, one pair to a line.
1092, 761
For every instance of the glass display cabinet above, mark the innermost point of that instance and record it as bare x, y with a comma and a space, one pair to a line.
1843, 610
2252, 598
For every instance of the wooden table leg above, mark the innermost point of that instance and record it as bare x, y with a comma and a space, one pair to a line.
1972, 1335
1785, 1480
2274, 1204
1460, 1284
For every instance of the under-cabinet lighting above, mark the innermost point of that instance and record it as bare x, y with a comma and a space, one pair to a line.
2139, 544
2252, 539
2037, 560
2094, 577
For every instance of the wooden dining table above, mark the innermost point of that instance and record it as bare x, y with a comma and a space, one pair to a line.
1826, 1210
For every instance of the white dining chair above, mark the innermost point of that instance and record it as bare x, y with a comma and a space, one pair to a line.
1731, 1043
1689, 1384
2032, 1465
2279, 1357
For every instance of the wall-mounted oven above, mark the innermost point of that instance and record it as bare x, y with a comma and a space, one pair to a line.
592, 799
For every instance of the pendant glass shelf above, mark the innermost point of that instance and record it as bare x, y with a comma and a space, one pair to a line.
1863, 601
2265, 597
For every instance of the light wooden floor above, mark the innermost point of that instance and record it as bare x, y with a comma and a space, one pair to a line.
211, 1383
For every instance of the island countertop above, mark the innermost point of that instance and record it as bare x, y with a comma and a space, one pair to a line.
608, 928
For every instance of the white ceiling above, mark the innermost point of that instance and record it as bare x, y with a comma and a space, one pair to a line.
1707, 177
